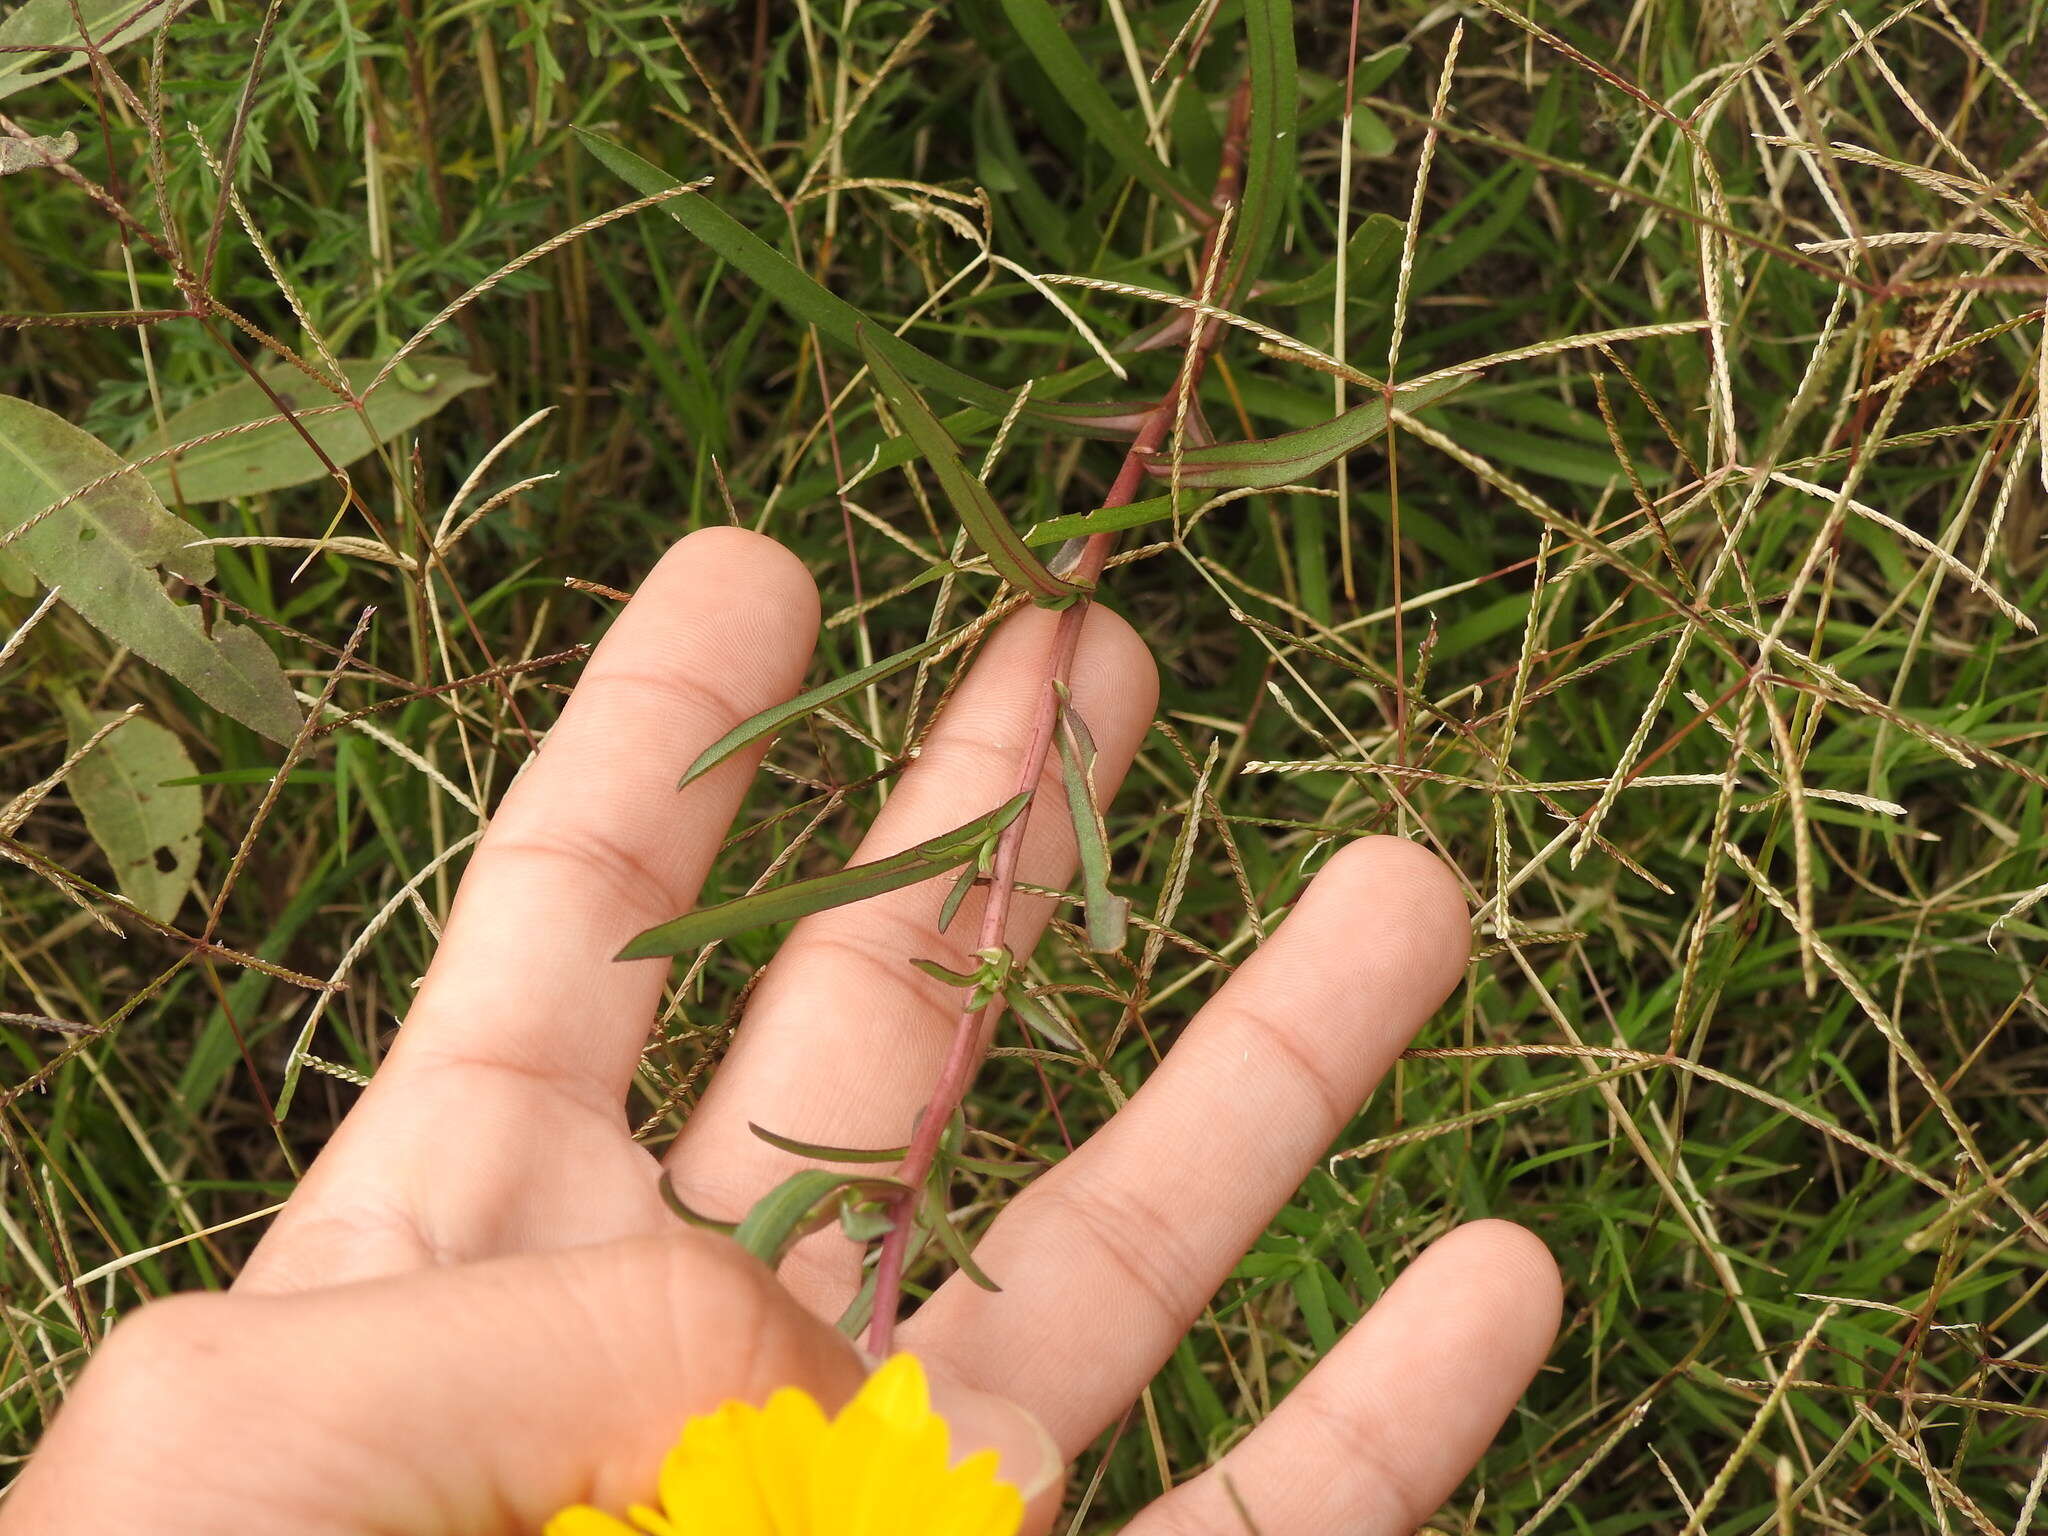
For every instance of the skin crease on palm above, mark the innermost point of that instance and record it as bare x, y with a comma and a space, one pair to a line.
476, 1310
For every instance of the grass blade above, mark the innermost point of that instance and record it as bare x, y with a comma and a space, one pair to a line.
976, 509
1269, 144
770, 721
1292, 457
1038, 28
707, 925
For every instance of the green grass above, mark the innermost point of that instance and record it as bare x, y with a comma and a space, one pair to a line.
1746, 778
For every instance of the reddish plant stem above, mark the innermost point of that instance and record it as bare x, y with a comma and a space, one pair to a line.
974, 1024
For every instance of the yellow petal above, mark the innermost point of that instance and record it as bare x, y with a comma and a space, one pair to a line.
897, 1393
708, 1482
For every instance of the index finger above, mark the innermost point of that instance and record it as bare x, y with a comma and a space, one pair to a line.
594, 843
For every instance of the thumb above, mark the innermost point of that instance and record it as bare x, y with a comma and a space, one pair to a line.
484, 1396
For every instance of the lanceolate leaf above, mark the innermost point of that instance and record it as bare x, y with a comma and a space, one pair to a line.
825, 1154
1039, 28
800, 1205
809, 302
50, 24
1269, 145
949, 850
953, 1242
976, 509
271, 457
1078, 525
1293, 456
146, 826
103, 550
1038, 1018
769, 721
1370, 256
1108, 913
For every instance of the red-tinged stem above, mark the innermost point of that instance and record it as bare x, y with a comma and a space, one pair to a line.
973, 1025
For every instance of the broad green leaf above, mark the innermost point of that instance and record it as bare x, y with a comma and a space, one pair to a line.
972, 504
1269, 145
825, 1154
51, 24
103, 551
806, 300
1292, 457
1108, 913
1369, 257
947, 851
1039, 28
146, 825
770, 721
269, 458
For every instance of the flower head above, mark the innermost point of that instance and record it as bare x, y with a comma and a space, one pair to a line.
881, 1467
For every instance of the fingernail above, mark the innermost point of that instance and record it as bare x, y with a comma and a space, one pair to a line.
1027, 1455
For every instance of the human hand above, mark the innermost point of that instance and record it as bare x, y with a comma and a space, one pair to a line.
476, 1309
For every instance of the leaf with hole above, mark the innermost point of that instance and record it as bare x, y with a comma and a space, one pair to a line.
272, 457
1292, 457
970, 499
103, 550
707, 925
143, 821
45, 33
770, 721
36, 153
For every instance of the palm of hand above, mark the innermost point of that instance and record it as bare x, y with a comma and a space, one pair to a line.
496, 1126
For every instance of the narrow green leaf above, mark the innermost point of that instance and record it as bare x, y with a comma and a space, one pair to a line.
1038, 27
1293, 456
800, 1205
827, 1154
1078, 525
273, 457
1108, 913
103, 550
955, 896
770, 721
971, 502
1269, 146
955, 1244
693, 930
51, 24
807, 301
1038, 1018
147, 826
1370, 256
949, 976
695, 1218
780, 278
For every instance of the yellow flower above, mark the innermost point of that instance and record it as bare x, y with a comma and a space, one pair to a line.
879, 1469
